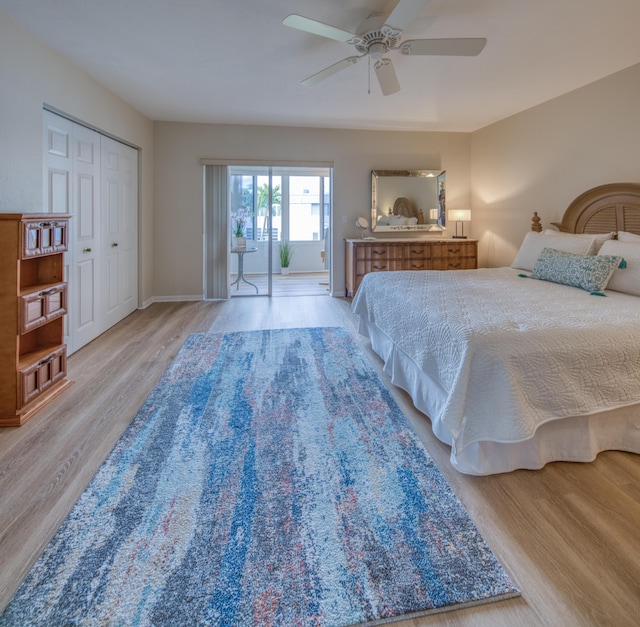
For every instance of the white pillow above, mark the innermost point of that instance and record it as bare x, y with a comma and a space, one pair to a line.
625, 280
597, 238
401, 220
625, 236
533, 244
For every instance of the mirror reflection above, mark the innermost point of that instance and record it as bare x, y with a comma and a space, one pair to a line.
407, 200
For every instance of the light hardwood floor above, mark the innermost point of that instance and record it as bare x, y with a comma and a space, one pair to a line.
569, 535
294, 284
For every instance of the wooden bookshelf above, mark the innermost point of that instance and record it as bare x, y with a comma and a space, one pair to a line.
33, 302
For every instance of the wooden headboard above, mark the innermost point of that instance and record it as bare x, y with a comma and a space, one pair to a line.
612, 207
404, 207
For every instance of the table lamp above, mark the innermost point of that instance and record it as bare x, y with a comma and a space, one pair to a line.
459, 215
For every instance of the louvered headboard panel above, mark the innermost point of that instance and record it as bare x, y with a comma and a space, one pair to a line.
631, 217
613, 207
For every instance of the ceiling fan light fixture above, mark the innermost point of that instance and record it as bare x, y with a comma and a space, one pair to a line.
377, 50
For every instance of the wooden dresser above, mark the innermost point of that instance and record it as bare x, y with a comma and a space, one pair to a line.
33, 302
377, 255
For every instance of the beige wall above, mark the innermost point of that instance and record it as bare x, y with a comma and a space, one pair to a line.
538, 160
542, 158
178, 181
31, 75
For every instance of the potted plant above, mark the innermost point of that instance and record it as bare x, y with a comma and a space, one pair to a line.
238, 233
286, 252
239, 219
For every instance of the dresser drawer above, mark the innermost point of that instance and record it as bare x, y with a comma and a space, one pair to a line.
375, 265
380, 252
454, 256
417, 256
454, 263
42, 305
378, 258
44, 236
448, 250
366, 253
417, 251
43, 373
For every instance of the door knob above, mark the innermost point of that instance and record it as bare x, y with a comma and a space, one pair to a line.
86, 250
114, 244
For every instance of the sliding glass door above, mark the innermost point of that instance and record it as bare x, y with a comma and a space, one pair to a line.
254, 194
274, 210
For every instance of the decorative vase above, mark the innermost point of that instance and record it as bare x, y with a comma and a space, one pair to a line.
241, 243
284, 270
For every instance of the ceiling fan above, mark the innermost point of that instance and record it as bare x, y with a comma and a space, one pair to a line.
377, 36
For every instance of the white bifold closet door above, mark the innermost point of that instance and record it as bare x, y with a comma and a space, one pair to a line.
119, 230
95, 179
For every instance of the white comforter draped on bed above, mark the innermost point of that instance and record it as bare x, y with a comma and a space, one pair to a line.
504, 354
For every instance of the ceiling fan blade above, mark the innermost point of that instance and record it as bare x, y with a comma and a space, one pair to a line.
386, 77
329, 71
405, 12
317, 28
461, 47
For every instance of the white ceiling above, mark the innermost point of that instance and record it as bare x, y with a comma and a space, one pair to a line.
232, 61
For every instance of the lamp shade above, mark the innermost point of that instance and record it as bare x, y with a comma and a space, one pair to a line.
459, 215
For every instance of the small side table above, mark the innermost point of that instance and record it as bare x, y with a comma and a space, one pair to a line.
241, 252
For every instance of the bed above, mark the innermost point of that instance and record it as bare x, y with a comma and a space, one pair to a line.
404, 214
516, 372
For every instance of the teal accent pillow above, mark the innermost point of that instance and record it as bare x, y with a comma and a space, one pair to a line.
589, 272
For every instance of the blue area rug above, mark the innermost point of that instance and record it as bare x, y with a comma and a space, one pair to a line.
268, 479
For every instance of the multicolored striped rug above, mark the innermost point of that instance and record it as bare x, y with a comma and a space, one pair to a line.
268, 479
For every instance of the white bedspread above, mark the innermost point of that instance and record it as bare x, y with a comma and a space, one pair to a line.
507, 354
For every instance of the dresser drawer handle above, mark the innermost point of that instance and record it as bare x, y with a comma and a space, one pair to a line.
454, 265
46, 361
379, 252
417, 252
47, 292
454, 252
379, 267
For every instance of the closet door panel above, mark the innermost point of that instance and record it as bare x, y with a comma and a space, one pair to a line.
110, 230
111, 289
59, 186
85, 316
120, 228
57, 141
72, 185
128, 236
85, 312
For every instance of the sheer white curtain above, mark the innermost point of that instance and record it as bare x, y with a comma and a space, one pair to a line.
216, 230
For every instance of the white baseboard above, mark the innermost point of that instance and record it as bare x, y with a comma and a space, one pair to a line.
171, 299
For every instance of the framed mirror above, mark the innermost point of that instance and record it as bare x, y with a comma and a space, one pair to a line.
408, 200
